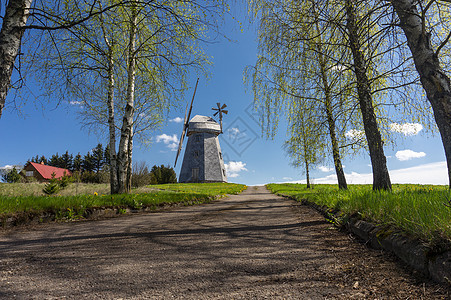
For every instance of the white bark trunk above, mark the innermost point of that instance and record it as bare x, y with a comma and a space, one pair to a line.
16, 16
129, 166
434, 80
127, 124
111, 125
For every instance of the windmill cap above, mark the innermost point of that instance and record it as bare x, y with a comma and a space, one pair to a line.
203, 124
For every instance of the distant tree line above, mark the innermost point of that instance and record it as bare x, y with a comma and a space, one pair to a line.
90, 168
157, 175
93, 167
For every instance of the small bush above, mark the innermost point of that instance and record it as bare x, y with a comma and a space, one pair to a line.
140, 175
55, 185
51, 188
65, 181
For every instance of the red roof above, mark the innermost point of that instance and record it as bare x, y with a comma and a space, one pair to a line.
47, 171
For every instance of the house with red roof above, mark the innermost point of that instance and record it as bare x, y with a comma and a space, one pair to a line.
43, 173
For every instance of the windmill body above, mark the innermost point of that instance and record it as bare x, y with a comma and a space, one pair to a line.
203, 160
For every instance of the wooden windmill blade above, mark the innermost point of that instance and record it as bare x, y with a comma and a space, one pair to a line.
220, 110
185, 123
192, 100
181, 137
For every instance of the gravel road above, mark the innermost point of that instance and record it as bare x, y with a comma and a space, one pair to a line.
250, 246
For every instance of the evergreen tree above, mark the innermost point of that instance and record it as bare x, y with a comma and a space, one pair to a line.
97, 158
12, 176
168, 174
43, 160
163, 175
106, 156
88, 163
52, 186
77, 163
66, 160
155, 174
54, 160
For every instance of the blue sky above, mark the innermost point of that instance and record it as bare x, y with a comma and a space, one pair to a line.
250, 158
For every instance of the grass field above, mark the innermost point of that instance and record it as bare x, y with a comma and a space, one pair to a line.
419, 210
35, 189
75, 199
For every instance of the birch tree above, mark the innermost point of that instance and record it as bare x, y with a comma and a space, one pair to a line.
353, 39
297, 69
361, 64
126, 67
44, 15
13, 27
306, 139
427, 45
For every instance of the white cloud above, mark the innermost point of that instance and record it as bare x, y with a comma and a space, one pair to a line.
167, 138
408, 154
235, 132
287, 178
176, 120
76, 102
354, 134
171, 141
173, 146
233, 168
432, 173
406, 128
325, 169
7, 167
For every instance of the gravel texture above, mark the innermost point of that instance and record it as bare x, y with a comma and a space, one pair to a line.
249, 246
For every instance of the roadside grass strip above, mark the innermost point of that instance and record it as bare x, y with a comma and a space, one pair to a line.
211, 189
419, 210
74, 206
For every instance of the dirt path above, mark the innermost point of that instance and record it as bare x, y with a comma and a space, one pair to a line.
250, 246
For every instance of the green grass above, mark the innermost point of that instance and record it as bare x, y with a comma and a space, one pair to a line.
35, 189
416, 209
11, 202
211, 189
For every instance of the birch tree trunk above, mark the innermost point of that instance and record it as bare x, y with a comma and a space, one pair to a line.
111, 126
16, 15
307, 173
126, 131
381, 177
434, 80
129, 160
342, 185
331, 123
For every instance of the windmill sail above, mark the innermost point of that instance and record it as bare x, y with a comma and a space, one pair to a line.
220, 110
185, 124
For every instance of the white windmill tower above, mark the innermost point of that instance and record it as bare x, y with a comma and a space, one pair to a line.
203, 160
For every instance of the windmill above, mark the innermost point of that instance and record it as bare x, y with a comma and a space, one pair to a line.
202, 161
